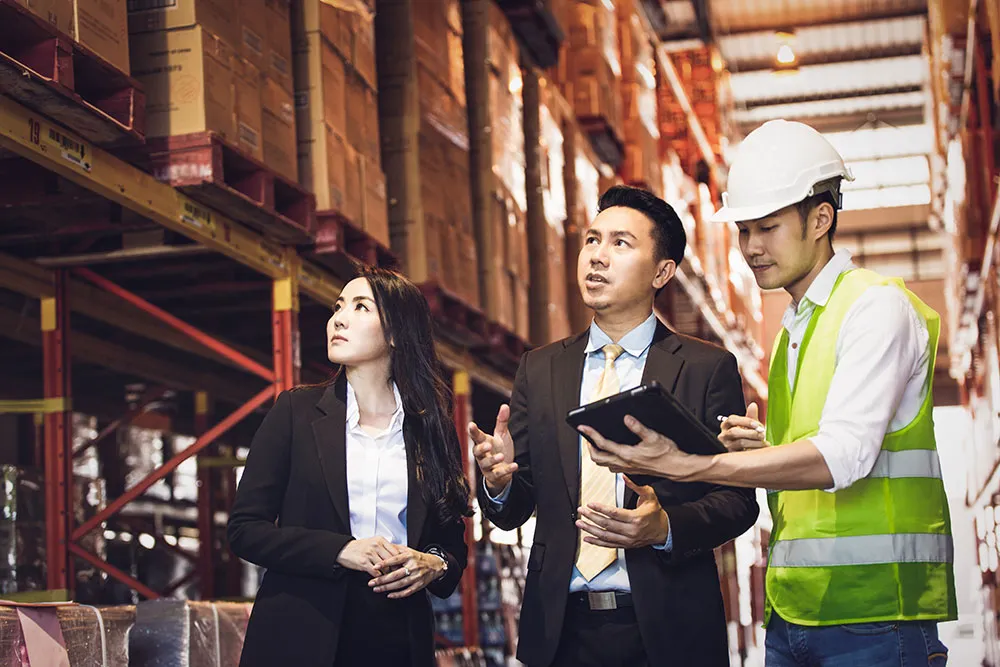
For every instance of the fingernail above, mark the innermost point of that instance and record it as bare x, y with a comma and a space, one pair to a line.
721, 418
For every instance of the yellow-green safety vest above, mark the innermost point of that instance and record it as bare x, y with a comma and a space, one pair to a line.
881, 549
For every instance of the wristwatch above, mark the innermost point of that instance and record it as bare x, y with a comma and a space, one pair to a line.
436, 551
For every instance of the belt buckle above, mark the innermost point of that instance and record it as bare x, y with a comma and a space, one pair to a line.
602, 601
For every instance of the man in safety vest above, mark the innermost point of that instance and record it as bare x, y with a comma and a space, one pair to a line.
860, 559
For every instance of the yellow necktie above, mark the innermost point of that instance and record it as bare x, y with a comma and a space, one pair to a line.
597, 484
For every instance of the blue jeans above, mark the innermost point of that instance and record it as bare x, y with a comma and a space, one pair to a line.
887, 644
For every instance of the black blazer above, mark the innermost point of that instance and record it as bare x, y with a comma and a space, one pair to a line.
677, 597
296, 474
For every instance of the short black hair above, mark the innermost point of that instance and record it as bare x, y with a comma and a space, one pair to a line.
668, 231
829, 195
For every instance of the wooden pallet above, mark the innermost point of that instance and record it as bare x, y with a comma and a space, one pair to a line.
606, 143
456, 320
537, 28
340, 245
505, 348
221, 176
48, 72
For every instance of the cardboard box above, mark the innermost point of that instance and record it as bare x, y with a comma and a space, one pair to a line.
253, 32
449, 258
57, 12
321, 168
363, 50
522, 309
278, 109
376, 207
279, 43
430, 25
249, 112
372, 140
102, 26
318, 16
499, 285
320, 90
354, 195
432, 240
357, 93
219, 17
188, 78
468, 260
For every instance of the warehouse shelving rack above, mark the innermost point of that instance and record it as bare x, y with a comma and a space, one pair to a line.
75, 284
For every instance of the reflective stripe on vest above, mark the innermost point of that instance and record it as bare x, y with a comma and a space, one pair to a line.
863, 550
907, 463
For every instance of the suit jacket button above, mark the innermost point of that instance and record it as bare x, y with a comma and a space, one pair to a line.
572, 517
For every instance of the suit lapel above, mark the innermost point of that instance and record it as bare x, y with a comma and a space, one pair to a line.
567, 376
416, 506
330, 432
663, 364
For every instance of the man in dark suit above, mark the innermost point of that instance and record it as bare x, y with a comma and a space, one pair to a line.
621, 571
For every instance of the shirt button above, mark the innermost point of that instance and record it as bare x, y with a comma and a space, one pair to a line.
795, 346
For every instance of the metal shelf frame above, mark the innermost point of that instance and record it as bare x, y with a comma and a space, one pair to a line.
32, 136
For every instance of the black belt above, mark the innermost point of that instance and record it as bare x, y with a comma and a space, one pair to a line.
600, 600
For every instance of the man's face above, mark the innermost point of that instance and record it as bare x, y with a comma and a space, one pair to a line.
617, 268
777, 250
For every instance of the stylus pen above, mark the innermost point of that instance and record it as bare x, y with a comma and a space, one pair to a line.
759, 428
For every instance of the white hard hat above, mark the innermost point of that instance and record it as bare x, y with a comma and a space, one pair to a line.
778, 165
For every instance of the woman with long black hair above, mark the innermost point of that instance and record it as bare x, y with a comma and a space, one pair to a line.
354, 495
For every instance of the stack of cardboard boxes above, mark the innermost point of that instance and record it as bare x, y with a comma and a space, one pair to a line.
99, 25
641, 166
336, 101
553, 152
700, 74
511, 276
218, 66
589, 69
583, 179
444, 148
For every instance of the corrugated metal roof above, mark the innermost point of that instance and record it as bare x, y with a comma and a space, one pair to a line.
733, 15
834, 41
834, 79
852, 106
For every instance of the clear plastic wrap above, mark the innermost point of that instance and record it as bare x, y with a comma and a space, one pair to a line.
94, 636
178, 633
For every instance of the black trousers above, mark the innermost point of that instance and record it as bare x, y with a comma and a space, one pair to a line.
375, 630
600, 639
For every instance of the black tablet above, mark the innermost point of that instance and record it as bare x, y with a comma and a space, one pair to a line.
653, 406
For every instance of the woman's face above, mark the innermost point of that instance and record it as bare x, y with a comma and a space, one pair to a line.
354, 332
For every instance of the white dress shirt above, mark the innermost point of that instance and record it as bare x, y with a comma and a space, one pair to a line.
376, 475
629, 366
879, 383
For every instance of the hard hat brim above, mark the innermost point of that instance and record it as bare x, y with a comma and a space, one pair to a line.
745, 213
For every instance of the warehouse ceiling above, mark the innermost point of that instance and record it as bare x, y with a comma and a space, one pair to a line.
860, 74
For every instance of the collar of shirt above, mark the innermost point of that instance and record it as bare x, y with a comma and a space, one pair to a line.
635, 342
354, 413
821, 288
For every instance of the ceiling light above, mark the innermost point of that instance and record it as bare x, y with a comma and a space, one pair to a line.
786, 56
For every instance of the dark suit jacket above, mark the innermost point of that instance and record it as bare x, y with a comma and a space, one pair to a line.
296, 473
678, 601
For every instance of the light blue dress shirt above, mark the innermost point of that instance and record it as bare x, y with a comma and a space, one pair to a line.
629, 366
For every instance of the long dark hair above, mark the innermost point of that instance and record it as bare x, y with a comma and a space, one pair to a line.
428, 426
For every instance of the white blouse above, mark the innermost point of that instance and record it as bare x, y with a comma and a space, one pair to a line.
376, 475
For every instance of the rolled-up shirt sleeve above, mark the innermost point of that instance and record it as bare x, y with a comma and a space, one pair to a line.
882, 361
